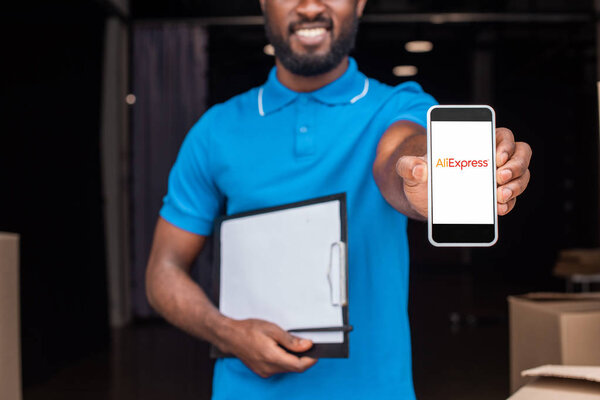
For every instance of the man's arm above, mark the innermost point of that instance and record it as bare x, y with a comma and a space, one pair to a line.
405, 191
182, 302
400, 168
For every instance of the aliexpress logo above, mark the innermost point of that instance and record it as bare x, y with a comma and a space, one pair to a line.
453, 163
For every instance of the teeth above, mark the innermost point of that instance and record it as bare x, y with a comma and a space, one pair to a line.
311, 32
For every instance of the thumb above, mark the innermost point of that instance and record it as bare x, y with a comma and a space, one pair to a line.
290, 341
412, 169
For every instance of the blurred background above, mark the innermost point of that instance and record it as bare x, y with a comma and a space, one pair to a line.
97, 96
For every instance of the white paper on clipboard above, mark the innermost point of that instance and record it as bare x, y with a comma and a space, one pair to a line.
277, 266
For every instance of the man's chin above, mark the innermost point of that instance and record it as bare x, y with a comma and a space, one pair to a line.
310, 60
320, 52
310, 65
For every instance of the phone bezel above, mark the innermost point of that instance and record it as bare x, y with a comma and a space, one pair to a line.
458, 109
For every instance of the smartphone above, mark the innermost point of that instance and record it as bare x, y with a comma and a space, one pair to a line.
461, 149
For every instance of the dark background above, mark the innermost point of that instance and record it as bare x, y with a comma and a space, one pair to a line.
542, 86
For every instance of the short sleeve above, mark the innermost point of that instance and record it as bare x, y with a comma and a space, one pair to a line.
411, 103
193, 200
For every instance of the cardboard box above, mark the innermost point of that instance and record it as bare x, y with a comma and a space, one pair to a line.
552, 328
559, 382
10, 343
577, 262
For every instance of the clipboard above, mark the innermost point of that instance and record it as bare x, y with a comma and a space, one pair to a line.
289, 257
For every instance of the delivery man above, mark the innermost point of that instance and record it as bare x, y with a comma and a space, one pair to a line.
317, 126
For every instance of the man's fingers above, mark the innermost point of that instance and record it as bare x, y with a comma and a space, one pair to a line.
513, 188
285, 361
505, 208
505, 145
303, 363
307, 362
516, 166
412, 169
282, 361
288, 340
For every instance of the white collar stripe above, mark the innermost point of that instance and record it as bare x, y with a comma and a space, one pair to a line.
362, 94
260, 102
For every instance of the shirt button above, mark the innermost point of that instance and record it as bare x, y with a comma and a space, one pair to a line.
303, 129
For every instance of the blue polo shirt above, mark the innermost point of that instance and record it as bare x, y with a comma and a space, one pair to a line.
271, 146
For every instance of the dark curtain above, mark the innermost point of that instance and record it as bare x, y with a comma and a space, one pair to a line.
169, 69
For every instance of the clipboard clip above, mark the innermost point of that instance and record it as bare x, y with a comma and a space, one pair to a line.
337, 274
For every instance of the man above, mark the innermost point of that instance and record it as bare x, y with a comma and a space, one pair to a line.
316, 127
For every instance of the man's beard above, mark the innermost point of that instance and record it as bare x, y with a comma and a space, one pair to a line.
313, 64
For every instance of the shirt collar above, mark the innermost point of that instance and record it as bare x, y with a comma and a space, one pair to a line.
347, 89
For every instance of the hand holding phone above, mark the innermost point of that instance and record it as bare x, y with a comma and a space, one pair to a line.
512, 173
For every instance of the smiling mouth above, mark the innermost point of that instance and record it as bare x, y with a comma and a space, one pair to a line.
310, 32
313, 35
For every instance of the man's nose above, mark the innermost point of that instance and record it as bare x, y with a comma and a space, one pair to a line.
310, 9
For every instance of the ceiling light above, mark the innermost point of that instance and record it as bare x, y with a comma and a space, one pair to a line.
405, 70
269, 50
418, 46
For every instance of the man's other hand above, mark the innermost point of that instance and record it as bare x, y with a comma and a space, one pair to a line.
257, 344
512, 174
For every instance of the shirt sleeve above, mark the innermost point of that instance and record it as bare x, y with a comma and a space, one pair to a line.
411, 104
193, 200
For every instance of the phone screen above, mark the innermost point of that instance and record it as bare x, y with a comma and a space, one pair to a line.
462, 176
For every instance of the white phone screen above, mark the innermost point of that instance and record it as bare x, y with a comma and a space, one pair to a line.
462, 187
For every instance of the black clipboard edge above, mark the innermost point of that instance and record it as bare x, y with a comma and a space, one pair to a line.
319, 350
316, 200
